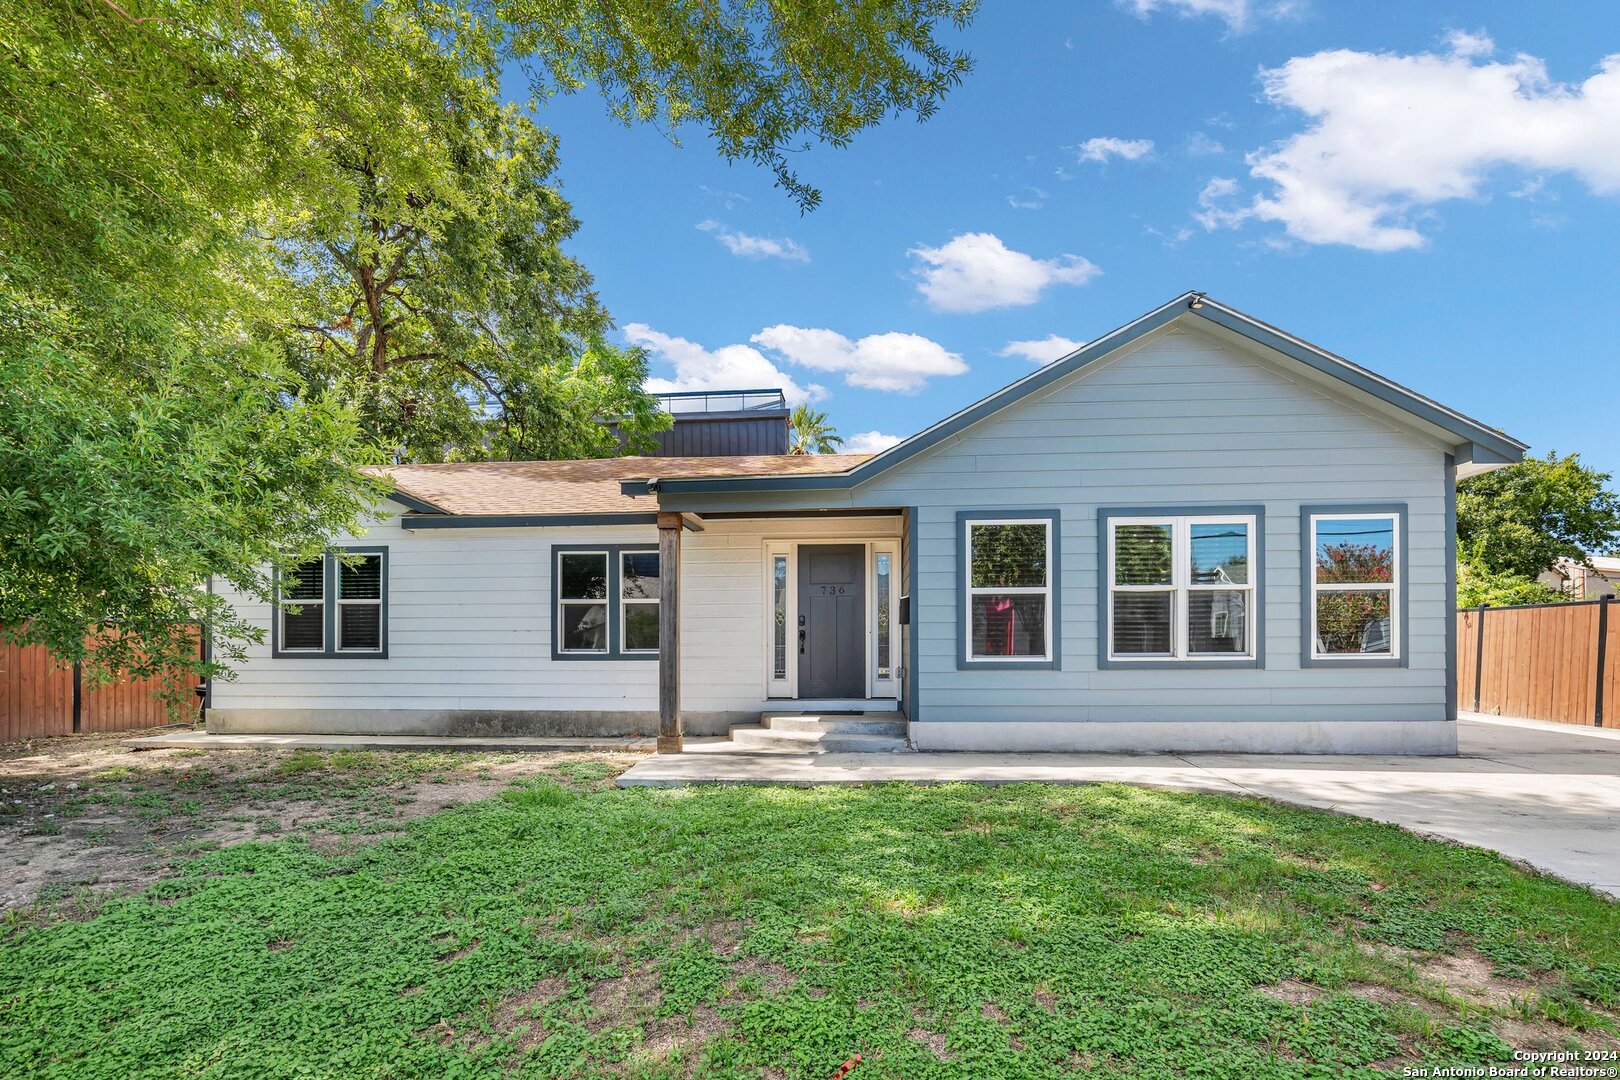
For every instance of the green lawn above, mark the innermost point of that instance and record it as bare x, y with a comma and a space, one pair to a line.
571, 929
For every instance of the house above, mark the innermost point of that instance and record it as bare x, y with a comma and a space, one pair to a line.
1197, 532
1597, 577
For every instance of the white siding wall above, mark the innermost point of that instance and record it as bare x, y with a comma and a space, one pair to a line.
1179, 419
470, 628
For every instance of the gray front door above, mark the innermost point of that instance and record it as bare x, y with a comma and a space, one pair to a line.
832, 621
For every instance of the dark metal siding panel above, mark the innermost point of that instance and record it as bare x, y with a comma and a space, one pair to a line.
724, 438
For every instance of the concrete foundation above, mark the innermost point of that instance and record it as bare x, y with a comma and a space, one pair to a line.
1429, 737
460, 723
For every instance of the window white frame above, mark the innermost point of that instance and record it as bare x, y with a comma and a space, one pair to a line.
305, 607
564, 602
626, 602
878, 685
967, 521
1395, 587
335, 586
1181, 587
330, 605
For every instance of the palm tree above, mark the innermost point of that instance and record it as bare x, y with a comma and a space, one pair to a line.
812, 434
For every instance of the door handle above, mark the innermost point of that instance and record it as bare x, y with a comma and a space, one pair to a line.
801, 641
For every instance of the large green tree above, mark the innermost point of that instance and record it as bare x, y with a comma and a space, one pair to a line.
245, 249
1521, 519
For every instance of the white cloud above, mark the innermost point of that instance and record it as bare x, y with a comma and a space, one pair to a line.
1392, 135
977, 272
1042, 350
1212, 213
1031, 198
1200, 144
1105, 147
894, 362
731, 367
756, 247
1237, 14
1464, 43
728, 199
869, 442
902, 363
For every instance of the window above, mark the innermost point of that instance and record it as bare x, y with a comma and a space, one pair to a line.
883, 561
583, 612
605, 602
1008, 566
1181, 588
779, 617
1355, 577
333, 606
638, 600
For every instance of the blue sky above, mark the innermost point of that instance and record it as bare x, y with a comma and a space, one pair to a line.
1432, 190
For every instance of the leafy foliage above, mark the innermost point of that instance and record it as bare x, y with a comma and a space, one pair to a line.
151, 430
761, 80
810, 433
1521, 519
435, 296
251, 248
1477, 585
1021, 931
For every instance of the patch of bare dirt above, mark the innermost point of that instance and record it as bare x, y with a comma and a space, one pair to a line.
83, 818
510, 1018
773, 977
1469, 975
667, 1038
624, 1000
1045, 998
512, 1014
933, 1040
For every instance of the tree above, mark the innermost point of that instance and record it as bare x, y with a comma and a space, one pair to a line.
443, 308
811, 434
1521, 519
194, 195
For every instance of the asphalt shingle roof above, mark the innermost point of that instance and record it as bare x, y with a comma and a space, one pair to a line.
585, 487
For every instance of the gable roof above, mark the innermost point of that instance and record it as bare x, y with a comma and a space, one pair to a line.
543, 489
1475, 441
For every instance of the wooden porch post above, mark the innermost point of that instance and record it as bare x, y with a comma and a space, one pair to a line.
669, 634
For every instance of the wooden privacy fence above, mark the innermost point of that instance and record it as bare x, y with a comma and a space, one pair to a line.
1542, 661
41, 697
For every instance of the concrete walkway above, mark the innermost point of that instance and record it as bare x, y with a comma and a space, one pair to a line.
201, 740
1545, 795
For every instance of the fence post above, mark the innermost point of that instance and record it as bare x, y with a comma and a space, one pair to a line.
1602, 660
78, 697
1479, 653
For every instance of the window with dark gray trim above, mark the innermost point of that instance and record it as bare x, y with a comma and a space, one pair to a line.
1008, 588
1181, 586
1354, 583
334, 606
605, 602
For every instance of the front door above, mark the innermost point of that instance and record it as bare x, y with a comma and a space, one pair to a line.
832, 621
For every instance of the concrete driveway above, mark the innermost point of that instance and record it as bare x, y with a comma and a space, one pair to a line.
1542, 794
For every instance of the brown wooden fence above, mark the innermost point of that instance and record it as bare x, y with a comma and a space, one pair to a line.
42, 697
1542, 661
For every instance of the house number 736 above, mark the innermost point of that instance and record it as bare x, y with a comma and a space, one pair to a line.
834, 590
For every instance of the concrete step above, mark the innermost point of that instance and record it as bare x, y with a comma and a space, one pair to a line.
758, 737
888, 723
